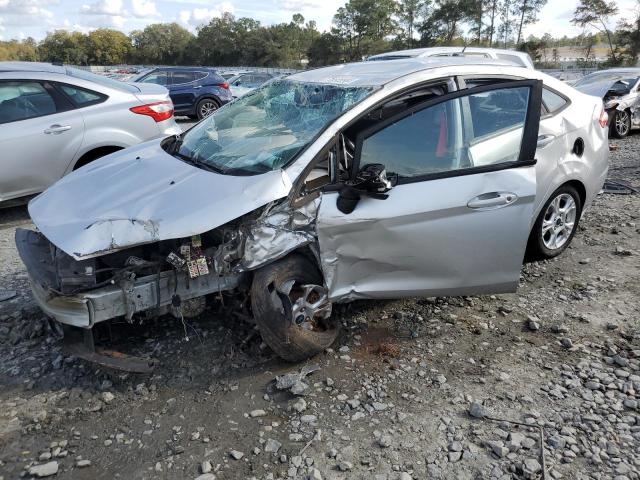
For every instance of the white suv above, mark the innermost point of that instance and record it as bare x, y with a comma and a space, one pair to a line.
55, 119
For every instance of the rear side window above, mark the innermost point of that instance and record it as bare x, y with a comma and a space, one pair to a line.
82, 97
22, 100
552, 101
182, 77
199, 75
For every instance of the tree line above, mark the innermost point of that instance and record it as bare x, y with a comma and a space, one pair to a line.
360, 28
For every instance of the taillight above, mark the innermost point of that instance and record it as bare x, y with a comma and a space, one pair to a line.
159, 111
604, 118
224, 85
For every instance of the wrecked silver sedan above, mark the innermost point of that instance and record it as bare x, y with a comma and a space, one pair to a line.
619, 90
368, 180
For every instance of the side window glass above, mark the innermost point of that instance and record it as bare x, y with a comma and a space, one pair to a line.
181, 77
552, 101
498, 118
82, 97
199, 75
23, 100
159, 78
437, 139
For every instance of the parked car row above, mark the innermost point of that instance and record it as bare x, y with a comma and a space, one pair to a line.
56, 119
417, 176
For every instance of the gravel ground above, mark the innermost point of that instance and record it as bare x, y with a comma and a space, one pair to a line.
465, 387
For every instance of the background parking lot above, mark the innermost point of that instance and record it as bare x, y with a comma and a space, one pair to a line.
391, 400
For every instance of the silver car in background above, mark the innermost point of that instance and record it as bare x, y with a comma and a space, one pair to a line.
55, 119
421, 177
619, 89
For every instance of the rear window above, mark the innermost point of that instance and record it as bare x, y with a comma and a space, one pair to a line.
101, 80
181, 77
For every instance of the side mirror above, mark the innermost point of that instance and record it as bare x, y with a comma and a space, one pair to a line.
238, 82
371, 181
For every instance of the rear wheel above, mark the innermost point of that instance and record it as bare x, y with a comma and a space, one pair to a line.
621, 125
292, 308
206, 107
556, 224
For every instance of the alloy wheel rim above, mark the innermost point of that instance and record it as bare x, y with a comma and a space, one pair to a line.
207, 109
622, 124
559, 221
310, 306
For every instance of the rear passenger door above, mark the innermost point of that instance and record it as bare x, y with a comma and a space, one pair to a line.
458, 219
182, 90
39, 136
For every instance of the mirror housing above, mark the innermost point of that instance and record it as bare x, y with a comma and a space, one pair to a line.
371, 180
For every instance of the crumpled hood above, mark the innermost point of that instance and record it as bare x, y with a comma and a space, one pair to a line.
143, 195
597, 89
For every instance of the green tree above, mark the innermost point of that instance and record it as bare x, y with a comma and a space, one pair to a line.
363, 26
161, 44
24, 50
526, 11
325, 49
410, 14
628, 35
449, 17
596, 14
108, 47
65, 47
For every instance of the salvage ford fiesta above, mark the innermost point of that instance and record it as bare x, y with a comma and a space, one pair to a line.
422, 177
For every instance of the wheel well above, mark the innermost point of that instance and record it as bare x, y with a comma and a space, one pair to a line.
578, 185
210, 97
94, 154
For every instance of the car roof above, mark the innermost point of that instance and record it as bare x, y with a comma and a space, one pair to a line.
380, 73
418, 52
176, 69
31, 67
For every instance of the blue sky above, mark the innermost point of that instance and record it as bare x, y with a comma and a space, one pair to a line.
22, 18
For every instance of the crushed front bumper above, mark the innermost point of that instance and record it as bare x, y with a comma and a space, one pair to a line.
97, 305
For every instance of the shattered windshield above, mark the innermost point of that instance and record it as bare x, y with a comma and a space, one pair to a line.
265, 129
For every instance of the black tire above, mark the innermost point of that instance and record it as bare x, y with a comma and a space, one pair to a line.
272, 310
537, 249
206, 105
621, 123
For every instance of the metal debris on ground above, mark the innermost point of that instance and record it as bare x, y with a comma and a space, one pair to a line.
7, 295
294, 381
618, 187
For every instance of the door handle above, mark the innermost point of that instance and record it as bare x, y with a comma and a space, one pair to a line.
492, 200
544, 140
198, 86
57, 129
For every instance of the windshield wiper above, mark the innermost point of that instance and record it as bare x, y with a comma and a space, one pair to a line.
196, 161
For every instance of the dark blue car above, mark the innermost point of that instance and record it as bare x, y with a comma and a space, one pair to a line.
195, 91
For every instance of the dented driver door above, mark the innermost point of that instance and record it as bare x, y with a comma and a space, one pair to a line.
458, 220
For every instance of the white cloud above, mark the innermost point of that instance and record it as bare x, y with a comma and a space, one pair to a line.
103, 7
299, 5
144, 8
18, 12
199, 16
